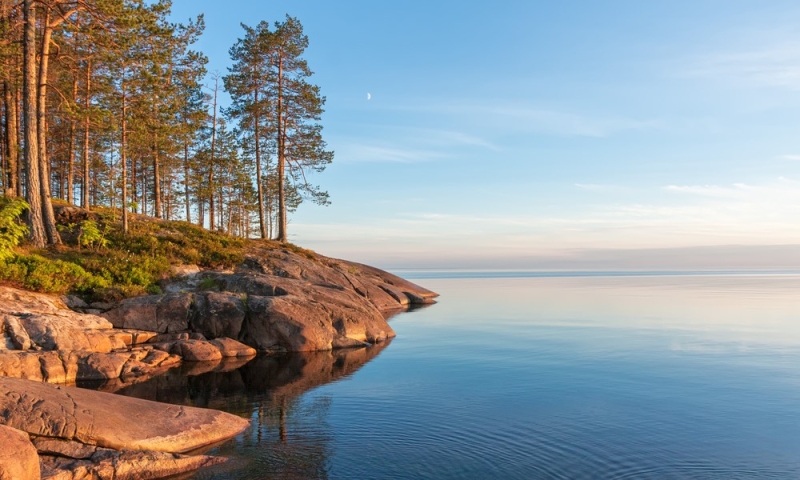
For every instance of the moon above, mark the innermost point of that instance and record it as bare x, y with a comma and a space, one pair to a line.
369, 96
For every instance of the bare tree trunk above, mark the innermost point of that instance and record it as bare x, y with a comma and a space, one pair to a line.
32, 176
259, 182
87, 104
53, 238
11, 143
281, 160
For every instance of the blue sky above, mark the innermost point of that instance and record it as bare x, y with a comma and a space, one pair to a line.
516, 134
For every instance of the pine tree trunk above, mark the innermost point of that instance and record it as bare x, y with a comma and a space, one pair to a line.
213, 161
186, 181
281, 160
282, 236
3, 155
32, 176
87, 104
270, 215
143, 188
49, 218
259, 183
11, 144
135, 192
70, 197
156, 179
21, 187
124, 159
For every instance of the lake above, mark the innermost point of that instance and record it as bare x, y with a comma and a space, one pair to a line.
520, 376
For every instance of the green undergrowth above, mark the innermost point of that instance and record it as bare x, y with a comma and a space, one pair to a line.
100, 262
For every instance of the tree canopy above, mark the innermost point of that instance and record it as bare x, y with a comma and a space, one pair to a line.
106, 103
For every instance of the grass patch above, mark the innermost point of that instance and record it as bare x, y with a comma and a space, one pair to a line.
100, 262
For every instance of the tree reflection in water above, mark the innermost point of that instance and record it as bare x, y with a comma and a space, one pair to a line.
289, 435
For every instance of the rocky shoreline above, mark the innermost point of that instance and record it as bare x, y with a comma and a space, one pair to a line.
276, 301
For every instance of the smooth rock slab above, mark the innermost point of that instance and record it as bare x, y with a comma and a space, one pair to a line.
111, 421
18, 457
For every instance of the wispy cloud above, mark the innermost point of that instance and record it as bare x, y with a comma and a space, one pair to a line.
774, 65
358, 152
794, 158
503, 118
429, 144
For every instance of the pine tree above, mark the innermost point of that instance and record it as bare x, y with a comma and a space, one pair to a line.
247, 84
280, 110
298, 137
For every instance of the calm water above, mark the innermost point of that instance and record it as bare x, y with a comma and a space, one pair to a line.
533, 377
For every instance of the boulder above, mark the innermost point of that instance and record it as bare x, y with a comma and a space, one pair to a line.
111, 421
138, 313
96, 366
74, 303
219, 315
18, 457
173, 312
196, 350
102, 306
229, 347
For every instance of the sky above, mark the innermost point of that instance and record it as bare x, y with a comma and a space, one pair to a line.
547, 135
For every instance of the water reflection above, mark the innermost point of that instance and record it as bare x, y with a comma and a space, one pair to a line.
645, 377
289, 436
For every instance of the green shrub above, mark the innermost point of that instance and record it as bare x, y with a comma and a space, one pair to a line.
41, 274
12, 231
91, 236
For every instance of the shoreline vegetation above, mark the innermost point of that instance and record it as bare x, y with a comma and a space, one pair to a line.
130, 199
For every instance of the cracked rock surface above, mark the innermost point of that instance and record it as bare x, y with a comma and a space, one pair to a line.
278, 300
